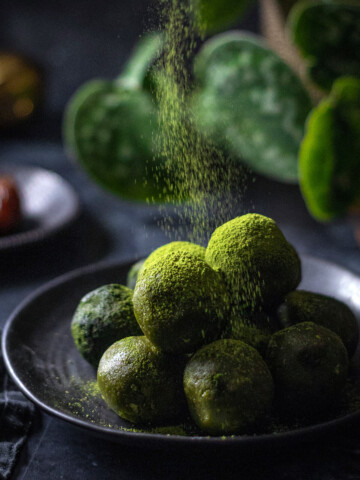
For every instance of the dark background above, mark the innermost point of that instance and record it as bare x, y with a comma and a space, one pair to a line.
74, 41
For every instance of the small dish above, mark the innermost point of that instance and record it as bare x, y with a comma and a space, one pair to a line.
41, 357
48, 204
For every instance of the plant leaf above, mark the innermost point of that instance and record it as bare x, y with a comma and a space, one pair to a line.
215, 15
329, 160
147, 51
328, 36
110, 127
111, 133
252, 102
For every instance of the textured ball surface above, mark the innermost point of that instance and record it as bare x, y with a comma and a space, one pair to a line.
180, 302
141, 383
228, 387
259, 266
102, 317
309, 364
301, 306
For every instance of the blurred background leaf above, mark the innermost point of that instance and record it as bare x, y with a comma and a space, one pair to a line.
329, 163
328, 36
216, 15
111, 127
250, 101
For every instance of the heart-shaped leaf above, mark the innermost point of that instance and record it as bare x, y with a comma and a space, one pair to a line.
111, 126
111, 132
251, 101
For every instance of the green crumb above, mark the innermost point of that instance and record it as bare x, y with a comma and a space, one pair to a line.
167, 430
81, 398
172, 430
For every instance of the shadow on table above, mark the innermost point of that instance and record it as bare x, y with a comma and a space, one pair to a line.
81, 243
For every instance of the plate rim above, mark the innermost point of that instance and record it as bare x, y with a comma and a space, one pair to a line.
161, 439
38, 234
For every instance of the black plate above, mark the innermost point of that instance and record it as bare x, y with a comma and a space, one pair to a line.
41, 357
48, 204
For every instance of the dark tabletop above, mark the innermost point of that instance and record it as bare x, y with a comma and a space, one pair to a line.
75, 41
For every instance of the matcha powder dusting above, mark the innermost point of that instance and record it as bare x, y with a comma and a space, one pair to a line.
202, 178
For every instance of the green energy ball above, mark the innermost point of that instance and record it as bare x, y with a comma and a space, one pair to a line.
250, 335
228, 387
196, 250
259, 266
133, 274
301, 306
102, 317
180, 302
254, 329
140, 382
309, 364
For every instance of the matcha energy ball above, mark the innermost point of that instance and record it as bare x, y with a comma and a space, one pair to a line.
255, 329
196, 250
180, 302
192, 248
228, 387
102, 317
259, 265
309, 364
140, 382
301, 306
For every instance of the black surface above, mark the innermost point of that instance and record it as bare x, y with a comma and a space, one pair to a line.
16, 415
76, 41
41, 356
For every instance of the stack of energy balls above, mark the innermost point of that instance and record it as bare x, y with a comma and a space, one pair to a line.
219, 333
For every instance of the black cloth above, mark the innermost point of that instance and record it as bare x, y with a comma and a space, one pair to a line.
16, 414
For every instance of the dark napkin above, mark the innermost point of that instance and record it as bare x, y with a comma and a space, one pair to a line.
16, 414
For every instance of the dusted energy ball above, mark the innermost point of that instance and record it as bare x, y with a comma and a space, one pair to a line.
260, 267
254, 329
189, 247
301, 306
102, 317
141, 383
309, 364
228, 387
180, 302
196, 250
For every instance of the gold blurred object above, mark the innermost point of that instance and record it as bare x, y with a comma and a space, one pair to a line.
21, 88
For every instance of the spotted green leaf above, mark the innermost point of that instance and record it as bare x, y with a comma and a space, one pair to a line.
110, 128
249, 100
111, 132
329, 164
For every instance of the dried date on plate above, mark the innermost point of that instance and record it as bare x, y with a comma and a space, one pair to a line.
9, 205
